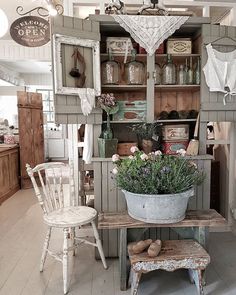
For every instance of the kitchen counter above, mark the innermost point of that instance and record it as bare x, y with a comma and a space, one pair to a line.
9, 171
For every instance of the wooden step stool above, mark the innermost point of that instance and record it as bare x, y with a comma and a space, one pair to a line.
177, 254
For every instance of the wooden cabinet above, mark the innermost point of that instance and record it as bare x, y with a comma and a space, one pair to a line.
9, 172
31, 139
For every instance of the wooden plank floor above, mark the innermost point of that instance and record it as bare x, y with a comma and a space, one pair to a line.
21, 236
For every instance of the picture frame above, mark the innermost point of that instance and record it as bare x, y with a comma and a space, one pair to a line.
58, 41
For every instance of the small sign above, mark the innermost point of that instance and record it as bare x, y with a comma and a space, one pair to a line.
30, 31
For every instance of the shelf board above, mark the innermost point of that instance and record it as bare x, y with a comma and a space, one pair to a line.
143, 87
177, 87
179, 55
125, 87
175, 120
156, 121
122, 55
124, 122
157, 55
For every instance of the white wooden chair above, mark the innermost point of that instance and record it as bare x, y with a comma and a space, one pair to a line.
56, 195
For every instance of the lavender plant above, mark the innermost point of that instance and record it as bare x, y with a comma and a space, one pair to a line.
155, 173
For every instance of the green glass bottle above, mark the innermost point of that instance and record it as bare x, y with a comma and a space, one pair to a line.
197, 72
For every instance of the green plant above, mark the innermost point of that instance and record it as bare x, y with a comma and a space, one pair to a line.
155, 173
144, 130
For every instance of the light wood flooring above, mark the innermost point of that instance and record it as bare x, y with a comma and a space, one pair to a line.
21, 237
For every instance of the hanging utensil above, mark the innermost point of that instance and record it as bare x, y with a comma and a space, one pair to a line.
75, 73
193, 146
81, 79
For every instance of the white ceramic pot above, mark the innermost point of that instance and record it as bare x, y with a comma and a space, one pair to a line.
169, 208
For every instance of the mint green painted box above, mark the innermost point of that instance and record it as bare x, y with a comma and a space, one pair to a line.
107, 147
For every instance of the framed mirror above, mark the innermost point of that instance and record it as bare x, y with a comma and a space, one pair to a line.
76, 65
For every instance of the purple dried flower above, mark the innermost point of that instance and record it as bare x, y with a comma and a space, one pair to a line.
165, 169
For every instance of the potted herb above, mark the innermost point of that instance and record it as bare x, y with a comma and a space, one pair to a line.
157, 187
145, 132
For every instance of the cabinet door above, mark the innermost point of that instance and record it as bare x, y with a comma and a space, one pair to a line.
212, 107
14, 169
31, 141
56, 148
68, 107
4, 174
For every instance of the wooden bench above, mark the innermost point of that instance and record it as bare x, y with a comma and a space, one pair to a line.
195, 226
174, 255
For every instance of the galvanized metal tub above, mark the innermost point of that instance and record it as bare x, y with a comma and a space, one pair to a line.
169, 208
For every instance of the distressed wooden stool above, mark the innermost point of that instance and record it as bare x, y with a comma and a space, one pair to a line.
177, 254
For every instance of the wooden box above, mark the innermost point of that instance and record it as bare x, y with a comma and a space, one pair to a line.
119, 44
175, 132
123, 148
179, 46
131, 110
107, 147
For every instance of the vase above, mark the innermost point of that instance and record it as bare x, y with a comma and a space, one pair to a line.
161, 209
147, 145
107, 132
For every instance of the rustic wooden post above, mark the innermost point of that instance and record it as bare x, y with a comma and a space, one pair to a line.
123, 259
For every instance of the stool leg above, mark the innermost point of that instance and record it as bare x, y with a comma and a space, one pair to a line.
73, 239
134, 281
196, 277
99, 244
65, 260
45, 248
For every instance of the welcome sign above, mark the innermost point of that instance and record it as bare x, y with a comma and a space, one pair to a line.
30, 31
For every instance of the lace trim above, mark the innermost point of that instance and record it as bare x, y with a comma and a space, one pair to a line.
150, 31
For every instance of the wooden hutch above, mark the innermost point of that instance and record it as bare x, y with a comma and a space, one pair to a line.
158, 98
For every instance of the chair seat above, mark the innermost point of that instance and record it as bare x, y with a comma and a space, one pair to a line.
70, 216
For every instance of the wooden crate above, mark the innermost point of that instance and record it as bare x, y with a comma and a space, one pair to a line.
123, 148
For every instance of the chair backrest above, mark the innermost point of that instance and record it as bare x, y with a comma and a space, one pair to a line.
53, 184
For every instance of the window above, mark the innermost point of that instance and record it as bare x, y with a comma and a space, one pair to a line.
48, 104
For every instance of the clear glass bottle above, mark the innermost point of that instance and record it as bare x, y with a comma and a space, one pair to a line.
190, 72
181, 79
197, 72
157, 77
169, 72
134, 70
110, 70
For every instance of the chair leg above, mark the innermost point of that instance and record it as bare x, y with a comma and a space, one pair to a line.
73, 239
65, 260
45, 248
99, 244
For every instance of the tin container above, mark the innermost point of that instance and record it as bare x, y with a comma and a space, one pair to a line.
179, 46
119, 45
175, 132
171, 147
131, 110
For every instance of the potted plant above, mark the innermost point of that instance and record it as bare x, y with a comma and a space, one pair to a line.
106, 143
145, 132
157, 187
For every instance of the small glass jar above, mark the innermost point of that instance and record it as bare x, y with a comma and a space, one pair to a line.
110, 70
182, 75
169, 72
157, 77
134, 71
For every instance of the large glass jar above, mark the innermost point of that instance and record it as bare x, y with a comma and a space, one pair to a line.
134, 70
169, 72
157, 77
110, 70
